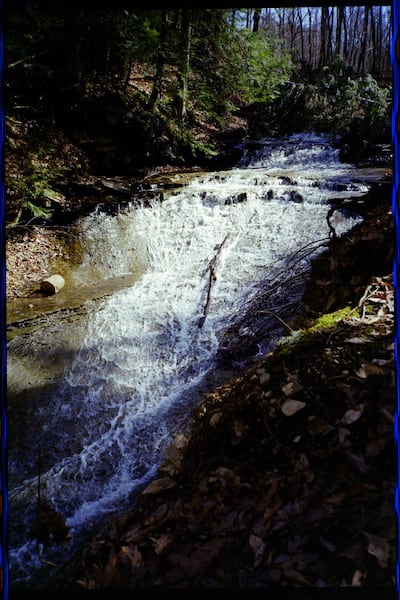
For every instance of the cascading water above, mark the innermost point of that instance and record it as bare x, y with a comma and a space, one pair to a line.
148, 351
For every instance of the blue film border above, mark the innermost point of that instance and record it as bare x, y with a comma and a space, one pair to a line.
3, 414
396, 272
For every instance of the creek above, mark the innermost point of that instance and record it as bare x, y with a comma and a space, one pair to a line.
199, 283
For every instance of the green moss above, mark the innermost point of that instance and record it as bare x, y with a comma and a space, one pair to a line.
304, 335
329, 320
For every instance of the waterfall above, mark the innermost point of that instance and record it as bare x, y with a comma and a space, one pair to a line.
144, 360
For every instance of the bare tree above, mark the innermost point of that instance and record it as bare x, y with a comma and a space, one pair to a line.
256, 19
323, 53
158, 77
186, 31
364, 39
358, 35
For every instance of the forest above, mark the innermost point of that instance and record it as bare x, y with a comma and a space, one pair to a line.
124, 91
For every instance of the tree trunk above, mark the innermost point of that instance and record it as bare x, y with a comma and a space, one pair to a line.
363, 48
256, 19
158, 77
352, 34
339, 27
329, 34
310, 38
323, 36
72, 45
186, 34
300, 17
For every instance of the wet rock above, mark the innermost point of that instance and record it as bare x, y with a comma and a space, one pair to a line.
296, 196
239, 198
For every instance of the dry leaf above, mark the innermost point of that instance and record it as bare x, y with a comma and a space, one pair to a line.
378, 547
159, 544
291, 407
368, 369
318, 426
375, 446
357, 577
169, 468
132, 555
357, 460
358, 340
215, 417
351, 416
158, 485
296, 577
227, 476
264, 376
292, 387
87, 584
180, 441
258, 546
240, 428
302, 463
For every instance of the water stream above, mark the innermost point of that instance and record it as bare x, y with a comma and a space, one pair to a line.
132, 368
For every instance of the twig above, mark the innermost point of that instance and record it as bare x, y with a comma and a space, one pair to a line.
25, 59
276, 317
332, 230
44, 561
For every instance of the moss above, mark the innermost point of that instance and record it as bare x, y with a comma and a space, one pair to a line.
305, 335
329, 320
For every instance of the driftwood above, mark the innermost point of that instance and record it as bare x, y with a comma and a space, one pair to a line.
212, 279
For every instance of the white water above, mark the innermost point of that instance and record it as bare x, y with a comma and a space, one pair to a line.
131, 386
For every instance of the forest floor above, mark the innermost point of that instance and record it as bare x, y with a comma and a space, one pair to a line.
29, 258
287, 478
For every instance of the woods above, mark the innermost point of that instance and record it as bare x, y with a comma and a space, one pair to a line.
315, 36
207, 60
131, 90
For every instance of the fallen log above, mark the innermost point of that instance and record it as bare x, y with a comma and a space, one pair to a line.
52, 285
212, 279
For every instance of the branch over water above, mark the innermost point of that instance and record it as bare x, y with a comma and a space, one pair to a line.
212, 279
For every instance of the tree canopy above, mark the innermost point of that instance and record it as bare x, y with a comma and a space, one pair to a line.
167, 81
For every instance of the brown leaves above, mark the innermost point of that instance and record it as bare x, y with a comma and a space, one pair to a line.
287, 479
29, 260
293, 386
159, 485
257, 546
368, 369
378, 547
351, 415
291, 407
131, 557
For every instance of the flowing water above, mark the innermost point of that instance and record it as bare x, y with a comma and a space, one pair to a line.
220, 265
